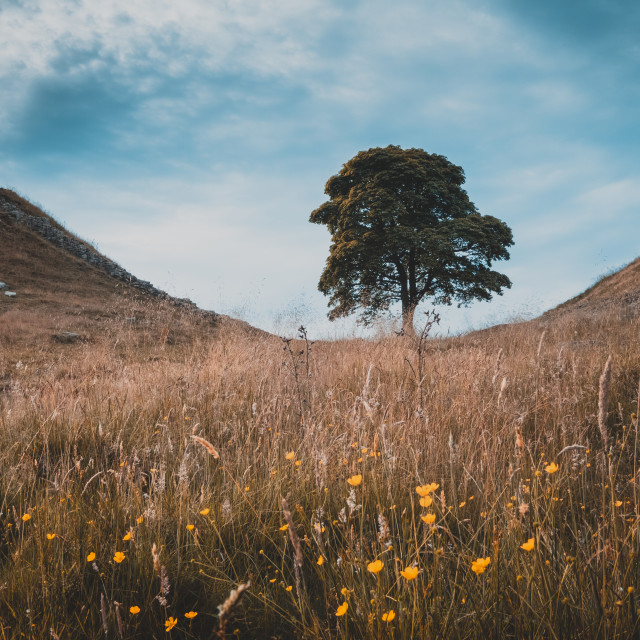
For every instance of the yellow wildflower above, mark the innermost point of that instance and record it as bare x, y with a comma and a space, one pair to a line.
289, 588
290, 455
409, 573
375, 566
618, 503
426, 502
118, 557
91, 557
320, 561
51, 536
342, 609
389, 616
170, 623
205, 512
426, 489
429, 518
26, 516
134, 610
127, 536
354, 481
284, 527
190, 527
478, 566
551, 468
191, 614
529, 544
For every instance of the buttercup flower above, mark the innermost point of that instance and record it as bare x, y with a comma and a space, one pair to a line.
134, 610
342, 609
478, 566
409, 573
51, 536
290, 455
426, 489
429, 518
205, 512
320, 561
551, 468
375, 566
26, 516
170, 623
354, 481
118, 557
529, 544
389, 616
426, 502
191, 614
91, 557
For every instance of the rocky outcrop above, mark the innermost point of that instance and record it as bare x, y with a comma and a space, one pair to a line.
67, 337
56, 235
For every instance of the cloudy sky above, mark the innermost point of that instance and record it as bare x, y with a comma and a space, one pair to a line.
190, 141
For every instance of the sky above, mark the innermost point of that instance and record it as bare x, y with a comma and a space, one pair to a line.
190, 141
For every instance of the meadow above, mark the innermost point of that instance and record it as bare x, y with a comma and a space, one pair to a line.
484, 486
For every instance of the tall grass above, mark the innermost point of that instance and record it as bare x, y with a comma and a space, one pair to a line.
319, 449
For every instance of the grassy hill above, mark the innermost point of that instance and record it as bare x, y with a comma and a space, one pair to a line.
477, 487
64, 285
622, 287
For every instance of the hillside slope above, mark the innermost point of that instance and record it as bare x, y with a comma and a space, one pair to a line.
28, 228
619, 288
60, 285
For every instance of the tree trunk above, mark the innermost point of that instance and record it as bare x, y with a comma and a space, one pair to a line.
407, 320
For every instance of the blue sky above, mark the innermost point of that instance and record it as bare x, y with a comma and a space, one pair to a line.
190, 141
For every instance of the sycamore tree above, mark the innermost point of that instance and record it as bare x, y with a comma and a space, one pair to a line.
403, 230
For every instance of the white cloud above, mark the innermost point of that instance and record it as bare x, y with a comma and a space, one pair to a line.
555, 96
613, 197
268, 37
200, 238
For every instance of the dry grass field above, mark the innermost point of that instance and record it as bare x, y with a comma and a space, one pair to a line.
343, 494
165, 478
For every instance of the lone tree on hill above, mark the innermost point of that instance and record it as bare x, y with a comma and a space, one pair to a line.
403, 229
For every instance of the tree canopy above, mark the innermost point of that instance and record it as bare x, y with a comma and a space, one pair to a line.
403, 229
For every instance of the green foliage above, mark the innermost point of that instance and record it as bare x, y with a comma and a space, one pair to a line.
403, 229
